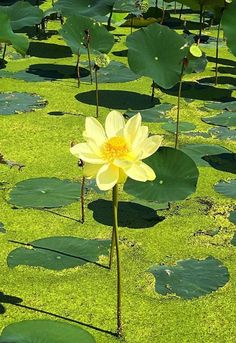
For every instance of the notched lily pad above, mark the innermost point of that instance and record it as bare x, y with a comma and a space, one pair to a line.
226, 188
58, 253
11, 103
45, 192
183, 126
191, 278
44, 331
154, 114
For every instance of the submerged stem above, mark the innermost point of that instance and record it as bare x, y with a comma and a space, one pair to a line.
116, 239
217, 54
178, 106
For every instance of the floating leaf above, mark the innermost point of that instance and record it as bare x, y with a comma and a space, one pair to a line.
58, 253
195, 50
2, 229
154, 114
45, 192
229, 105
183, 126
232, 217
191, 278
176, 177
225, 119
74, 33
224, 162
115, 72
198, 151
226, 188
11, 103
157, 52
44, 331
222, 132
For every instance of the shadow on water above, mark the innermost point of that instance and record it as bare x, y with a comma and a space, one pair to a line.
118, 99
131, 214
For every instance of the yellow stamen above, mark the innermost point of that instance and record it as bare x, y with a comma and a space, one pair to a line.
115, 147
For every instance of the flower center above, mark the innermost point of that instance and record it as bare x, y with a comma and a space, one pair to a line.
115, 147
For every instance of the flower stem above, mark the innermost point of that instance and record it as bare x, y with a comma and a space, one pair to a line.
116, 239
217, 54
97, 96
82, 200
112, 248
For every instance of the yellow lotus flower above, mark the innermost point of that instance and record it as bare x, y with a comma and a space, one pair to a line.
112, 154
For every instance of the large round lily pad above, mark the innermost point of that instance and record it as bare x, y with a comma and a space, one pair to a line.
115, 72
190, 278
176, 177
11, 103
45, 192
58, 253
157, 52
44, 331
198, 151
226, 188
154, 114
225, 119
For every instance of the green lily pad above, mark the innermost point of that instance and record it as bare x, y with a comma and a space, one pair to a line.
157, 52
58, 253
115, 72
198, 151
225, 119
74, 33
233, 241
2, 229
45, 192
197, 134
224, 162
44, 331
154, 114
176, 177
91, 185
228, 25
22, 14
223, 133
232, 217
183, 126
226, 188
12, 103
19, 42
191, 278
229, 106
89, 8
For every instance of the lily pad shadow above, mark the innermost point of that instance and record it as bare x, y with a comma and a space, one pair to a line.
223, 80
223, 162
48, 50
114, 99
130, 214
195, 90
8, 299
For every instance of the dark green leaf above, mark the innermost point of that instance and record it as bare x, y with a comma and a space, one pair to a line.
232, 217
229, 26
74, 33
226, 188
224, 162
191, 278
223, 133
45, 193
177, 177
225, 119
157, 52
